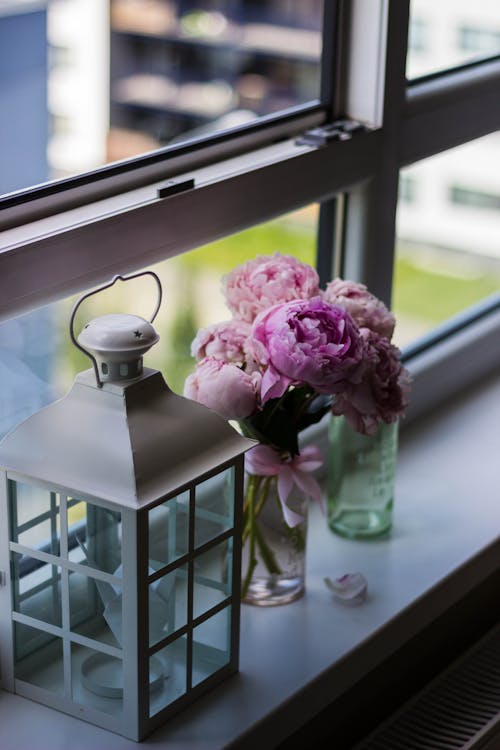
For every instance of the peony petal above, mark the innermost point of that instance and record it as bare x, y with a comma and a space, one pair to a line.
262, 461
309, 459
350, 587
285, 482
309, 466
307, 484
273, 384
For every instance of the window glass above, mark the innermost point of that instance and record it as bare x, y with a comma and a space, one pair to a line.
36, 588
168, 604
214, 507
168, 531
94, 536
38, 362
450, 33
34, 517
87, 82
212, 577
167, 675
95, 608
448, 236
96, 680
44, 667
211, 645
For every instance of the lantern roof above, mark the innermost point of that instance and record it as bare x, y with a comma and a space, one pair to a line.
129, 443
118, 332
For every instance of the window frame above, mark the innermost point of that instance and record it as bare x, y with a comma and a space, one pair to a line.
240, 184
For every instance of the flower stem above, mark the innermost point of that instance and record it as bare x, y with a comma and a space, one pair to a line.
256, 497
258, 507
266, 553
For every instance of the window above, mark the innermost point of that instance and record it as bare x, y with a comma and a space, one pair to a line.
418, 34
463, 196
408, 188
479, 40
450, 33
67, 237
38, 361
131, 76
447, 239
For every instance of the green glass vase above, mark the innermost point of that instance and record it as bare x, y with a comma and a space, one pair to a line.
361, 473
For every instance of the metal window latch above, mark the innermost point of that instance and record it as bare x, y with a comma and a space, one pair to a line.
172, 187
340, 130
3, 578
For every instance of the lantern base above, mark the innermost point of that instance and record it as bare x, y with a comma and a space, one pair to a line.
103, 675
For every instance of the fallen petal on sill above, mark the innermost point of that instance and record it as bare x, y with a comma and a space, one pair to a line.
350, 587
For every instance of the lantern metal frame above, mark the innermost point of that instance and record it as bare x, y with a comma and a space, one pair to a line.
131, 447
137, 721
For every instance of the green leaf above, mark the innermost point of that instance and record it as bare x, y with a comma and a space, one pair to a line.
274, 426
279, 422
315, 411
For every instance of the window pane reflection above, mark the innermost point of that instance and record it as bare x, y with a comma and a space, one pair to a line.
448, 238
38, 362
449, 33
87, 83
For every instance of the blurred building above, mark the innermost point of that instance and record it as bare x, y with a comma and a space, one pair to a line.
453, 200
77, 84
180, 68
26, 343
24, 126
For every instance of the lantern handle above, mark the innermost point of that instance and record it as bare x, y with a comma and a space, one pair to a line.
98, 289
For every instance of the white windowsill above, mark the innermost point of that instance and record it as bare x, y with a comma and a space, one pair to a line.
297, 659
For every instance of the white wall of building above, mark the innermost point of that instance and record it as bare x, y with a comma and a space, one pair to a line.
78, 86
432, 217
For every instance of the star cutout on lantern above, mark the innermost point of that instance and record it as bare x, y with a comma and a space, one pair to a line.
137, 334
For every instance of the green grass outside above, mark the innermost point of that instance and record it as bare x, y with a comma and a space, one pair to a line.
432, 295
286, 237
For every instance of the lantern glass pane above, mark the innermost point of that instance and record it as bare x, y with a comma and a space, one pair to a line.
95, 609
35, 519
212, 577
94, 536
39, 658
168, 531
168, 606
211, 645
214, 507
167, 675
96, 679
36, 588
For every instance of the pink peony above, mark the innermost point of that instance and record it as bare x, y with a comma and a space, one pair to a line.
223, 387
228, 341
266, 281
305, 342
366, 310
382, 394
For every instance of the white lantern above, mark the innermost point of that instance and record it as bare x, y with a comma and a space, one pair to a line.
121, 511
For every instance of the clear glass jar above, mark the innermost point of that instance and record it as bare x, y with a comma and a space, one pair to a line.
273, 556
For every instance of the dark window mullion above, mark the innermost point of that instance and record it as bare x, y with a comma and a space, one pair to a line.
333, 13
325, 240
335, 20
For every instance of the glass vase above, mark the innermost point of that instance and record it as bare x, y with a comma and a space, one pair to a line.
361, 475
273, 557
